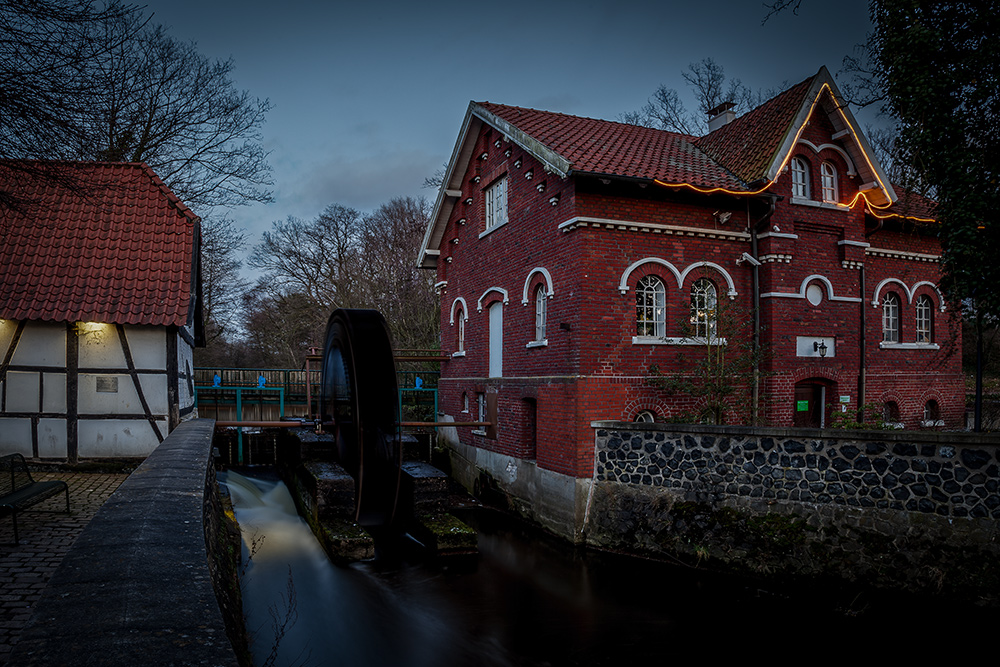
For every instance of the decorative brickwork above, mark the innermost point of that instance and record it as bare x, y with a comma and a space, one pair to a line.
604, 220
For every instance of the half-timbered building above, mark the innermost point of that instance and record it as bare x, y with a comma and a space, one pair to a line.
99, 310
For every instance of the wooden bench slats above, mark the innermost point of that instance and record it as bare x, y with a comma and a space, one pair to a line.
19, 491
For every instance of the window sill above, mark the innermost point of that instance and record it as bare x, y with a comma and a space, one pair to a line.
460, 353
909, 346
538, 343
479, 432
667, 340
802, 201
493, 229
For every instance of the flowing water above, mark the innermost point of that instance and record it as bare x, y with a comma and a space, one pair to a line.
532, 600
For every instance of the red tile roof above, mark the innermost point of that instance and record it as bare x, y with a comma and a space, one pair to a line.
911, 205
748, 144
110, 244
616, 149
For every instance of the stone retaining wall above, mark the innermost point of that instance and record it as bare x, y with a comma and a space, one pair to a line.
136, 587
838, 502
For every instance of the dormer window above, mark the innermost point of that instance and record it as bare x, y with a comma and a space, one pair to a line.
800, 178
829, 177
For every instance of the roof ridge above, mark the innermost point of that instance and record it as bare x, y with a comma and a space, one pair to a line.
487, 104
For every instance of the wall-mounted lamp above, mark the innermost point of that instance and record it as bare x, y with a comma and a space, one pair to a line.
819, 346
528, 174
484, 156
468, 201
517, 163
722, 217
541, 186
497, 143
476, 179
554, 199
455, 240
461, 221
507, 152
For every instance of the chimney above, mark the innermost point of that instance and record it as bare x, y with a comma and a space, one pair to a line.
721, 115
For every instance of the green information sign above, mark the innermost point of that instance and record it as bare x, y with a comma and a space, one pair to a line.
802, 406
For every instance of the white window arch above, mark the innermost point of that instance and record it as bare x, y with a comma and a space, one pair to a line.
828, 175
704, 308
650, 307
890, 318
646, 417
800, 178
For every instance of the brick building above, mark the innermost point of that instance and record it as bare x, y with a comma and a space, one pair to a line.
584, 265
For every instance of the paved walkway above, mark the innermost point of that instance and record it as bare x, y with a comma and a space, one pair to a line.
47, 533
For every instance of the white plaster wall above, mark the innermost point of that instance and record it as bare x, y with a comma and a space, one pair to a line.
148, 346
117, 437
90, 401
52, 438
54, 392
154, 388
22, 391
15, 436
100, 347
41, 344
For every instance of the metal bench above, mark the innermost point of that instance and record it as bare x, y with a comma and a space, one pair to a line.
18, 491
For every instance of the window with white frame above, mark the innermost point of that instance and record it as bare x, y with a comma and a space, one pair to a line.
540, 299
704, 308
890, 318
800, 178
460, 334
650, 307
481, 405
828, 174
496, 203
923, 311
932, 414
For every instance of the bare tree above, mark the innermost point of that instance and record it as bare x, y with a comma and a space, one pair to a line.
318, 258
163, 103
222, 285
47, 51
709, 85
392, 283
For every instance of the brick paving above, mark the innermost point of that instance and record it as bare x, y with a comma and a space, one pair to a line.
47, 533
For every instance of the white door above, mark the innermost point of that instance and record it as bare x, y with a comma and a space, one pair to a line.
496, 340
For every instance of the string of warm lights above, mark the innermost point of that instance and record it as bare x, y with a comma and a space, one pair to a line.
872, 207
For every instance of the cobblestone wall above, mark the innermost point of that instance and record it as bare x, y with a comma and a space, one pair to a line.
946, 475
908, 510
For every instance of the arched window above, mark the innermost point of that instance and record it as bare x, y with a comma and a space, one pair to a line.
540, 299
924, 311
829, 177
650, 307
460, 333
704, 307
932, 413
646, 416
890, 318
890, 412
800, 178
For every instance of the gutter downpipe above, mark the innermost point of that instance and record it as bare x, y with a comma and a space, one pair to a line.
863, 371
771, 200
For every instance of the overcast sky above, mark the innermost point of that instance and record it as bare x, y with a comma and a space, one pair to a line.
369, 97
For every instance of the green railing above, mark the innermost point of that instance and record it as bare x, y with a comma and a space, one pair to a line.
217, 391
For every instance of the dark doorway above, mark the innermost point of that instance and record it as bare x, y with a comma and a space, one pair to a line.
812, 403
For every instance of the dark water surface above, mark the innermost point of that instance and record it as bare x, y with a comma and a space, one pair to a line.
533, 600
